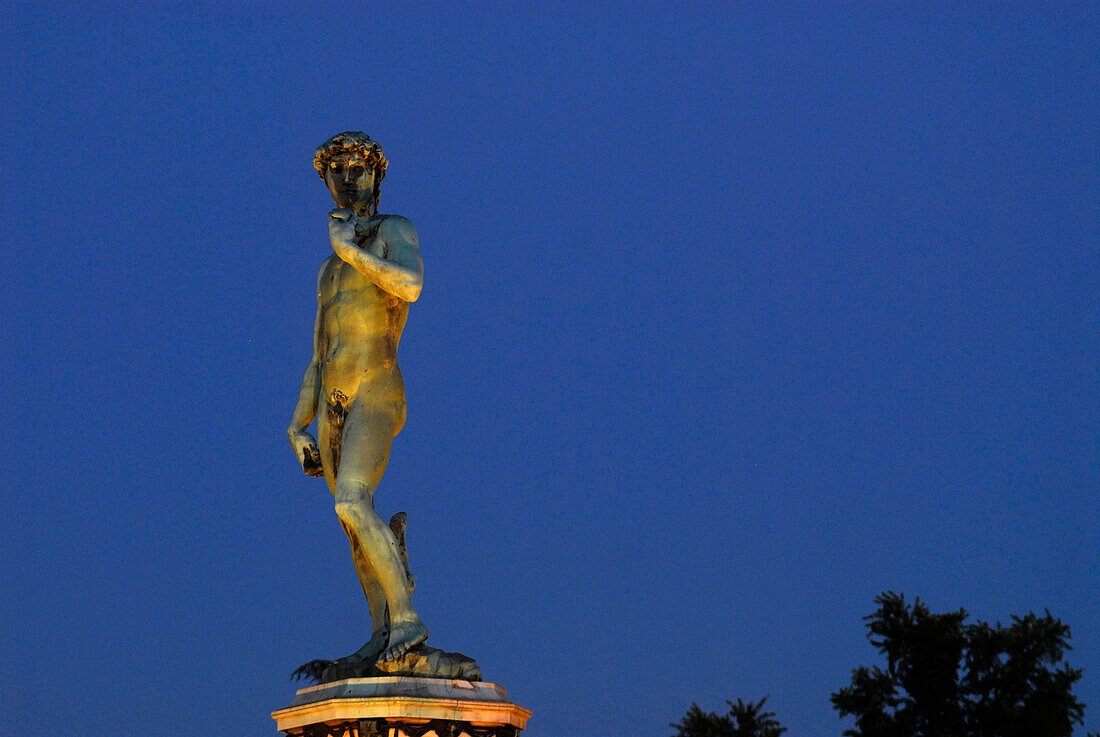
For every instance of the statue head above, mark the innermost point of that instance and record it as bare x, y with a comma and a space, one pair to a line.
353, 166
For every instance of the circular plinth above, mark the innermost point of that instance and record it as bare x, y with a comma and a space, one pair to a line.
402, 707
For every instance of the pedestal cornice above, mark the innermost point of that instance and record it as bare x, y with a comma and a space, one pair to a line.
412, 705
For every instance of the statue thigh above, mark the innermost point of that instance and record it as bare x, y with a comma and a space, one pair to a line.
363, 449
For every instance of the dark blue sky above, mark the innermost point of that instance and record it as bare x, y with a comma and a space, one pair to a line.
735, 315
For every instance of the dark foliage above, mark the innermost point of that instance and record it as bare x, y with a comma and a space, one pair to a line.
947, 678
742, 720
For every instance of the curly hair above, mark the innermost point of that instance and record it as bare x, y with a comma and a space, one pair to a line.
352, 142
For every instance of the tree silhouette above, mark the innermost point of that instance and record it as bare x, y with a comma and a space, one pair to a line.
946, 678
742, 720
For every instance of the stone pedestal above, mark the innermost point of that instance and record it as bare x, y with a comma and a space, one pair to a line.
402, 707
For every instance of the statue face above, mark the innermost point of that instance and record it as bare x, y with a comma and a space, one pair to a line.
350, 181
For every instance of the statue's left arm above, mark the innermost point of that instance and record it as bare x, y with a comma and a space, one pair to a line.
400, 272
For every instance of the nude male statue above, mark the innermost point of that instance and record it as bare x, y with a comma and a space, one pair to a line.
363, 295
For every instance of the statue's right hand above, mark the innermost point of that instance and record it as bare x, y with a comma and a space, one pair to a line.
305, 447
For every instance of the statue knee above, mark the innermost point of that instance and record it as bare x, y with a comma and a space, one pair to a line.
349, 513
358, 512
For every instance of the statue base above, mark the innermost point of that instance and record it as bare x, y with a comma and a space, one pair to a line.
402, 707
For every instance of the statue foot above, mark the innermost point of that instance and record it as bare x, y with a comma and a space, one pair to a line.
403, 637
369, 651
428, 662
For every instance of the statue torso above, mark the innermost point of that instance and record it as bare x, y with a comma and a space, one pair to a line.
361, 327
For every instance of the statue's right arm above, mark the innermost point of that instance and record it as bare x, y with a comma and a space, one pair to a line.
305, 446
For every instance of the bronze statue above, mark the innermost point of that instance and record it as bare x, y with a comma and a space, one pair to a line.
353, 384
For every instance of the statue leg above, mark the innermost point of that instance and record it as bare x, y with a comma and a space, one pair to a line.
368, 581
376, 602
365, 449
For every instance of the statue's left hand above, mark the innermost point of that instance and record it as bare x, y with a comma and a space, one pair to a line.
341, 225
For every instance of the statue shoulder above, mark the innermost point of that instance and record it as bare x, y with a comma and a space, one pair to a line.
329, 264
394, 227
